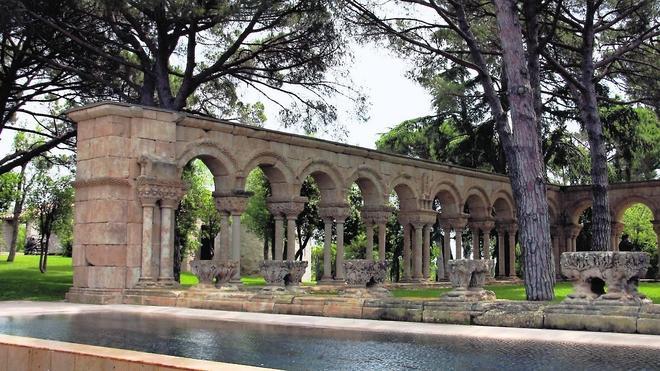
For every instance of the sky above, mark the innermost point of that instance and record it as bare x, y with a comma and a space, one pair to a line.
392, 98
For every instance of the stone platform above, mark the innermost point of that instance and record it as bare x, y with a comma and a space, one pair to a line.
330, 302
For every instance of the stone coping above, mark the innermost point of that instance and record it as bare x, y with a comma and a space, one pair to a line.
26, 308
58, 355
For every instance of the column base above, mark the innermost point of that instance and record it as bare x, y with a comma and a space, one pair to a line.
146, 283
167, 283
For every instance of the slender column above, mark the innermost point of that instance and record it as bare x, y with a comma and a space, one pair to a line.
656, 229
512, 252
236, 244
446, 249
339, 263
555, 253
369, 254
501, 260
417, 253
279, 239
616, 231
146, 273
406, 251
223, 252
166, 275
382, 230
426, 252
459, 242
486, 242
475, 242
327, 257
290, 237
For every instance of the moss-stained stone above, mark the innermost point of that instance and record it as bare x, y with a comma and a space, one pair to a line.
447, 312
509, 314
392, 309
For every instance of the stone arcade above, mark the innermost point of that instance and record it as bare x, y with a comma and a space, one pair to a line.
129, 164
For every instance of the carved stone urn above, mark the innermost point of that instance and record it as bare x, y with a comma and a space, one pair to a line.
362, 272
224, 272
593, 271
468, 278
205, 271
283, 272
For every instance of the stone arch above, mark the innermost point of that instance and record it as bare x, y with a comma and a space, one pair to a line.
579, 206
503, 206
404, 188
274, 166
449, 198
218, 160
476, 199
371, 185
622, 205
326, 176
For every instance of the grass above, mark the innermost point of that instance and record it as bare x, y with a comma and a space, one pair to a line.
517, 292
21, 280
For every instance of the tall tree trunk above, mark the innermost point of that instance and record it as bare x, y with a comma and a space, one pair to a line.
18, 209
526, 168
588, 105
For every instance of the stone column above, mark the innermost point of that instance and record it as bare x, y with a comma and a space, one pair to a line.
512, 250
147, 276
459, 242
291, 237
327, 256
417, 252
382, 230
656, 229
446, 249
222, 253
616, 231
279, 239
486, 230
369, 254
475, 242
236, 244
501, 260
554, 240
166, 274
339, 263
406, 251
426, 252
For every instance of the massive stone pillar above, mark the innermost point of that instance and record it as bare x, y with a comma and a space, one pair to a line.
501, 260
511, 230
417, 252
291, 237
369, 253
339, 263
426, 252
406, 251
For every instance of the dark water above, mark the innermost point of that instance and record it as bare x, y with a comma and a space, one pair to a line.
297, 348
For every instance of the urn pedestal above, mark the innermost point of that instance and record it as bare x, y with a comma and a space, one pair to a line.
468, 278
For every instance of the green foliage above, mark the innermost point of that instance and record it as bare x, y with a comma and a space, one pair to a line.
317, 261
197, 205
8, 189
638, 227
256, 217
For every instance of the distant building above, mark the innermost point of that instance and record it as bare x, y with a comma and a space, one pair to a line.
54, 245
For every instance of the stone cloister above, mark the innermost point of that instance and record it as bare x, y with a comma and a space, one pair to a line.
128, 185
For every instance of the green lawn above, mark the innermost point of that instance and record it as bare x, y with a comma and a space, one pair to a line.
21, 280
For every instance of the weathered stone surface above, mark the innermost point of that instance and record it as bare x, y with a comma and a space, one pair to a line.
393, 309
283, 272
468, 278
447, 312
509, 314
591, 270
362, 272
593, 315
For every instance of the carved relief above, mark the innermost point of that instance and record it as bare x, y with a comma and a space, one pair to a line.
468, 278
363, 273
157, 189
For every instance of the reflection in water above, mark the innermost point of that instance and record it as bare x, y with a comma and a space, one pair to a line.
301, 348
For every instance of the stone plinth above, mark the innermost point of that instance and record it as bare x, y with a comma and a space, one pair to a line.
468, 278
591, 271
283, 272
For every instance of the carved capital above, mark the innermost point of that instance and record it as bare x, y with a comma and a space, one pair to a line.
288, 208
418, 217
169, 192
375, 215
335, 211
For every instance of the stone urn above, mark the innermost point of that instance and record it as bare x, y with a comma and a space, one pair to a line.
468, 278
224, 272
283, 272
205, 271
593, 271
363, 273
